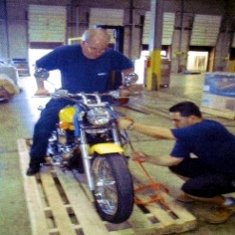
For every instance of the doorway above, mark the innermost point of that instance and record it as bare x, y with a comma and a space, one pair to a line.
197, 61
200, 59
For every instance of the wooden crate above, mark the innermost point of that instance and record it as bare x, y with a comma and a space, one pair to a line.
59, 204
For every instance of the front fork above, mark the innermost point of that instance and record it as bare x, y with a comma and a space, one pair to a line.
80, 134
86, 158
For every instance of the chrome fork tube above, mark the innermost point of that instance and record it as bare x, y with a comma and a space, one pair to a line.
115, 134
86, 160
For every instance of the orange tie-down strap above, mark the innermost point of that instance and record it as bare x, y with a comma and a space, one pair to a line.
152, 186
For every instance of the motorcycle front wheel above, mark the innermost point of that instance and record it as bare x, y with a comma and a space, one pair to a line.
113, 193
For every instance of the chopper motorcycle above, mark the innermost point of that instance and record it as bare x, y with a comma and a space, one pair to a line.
88, 135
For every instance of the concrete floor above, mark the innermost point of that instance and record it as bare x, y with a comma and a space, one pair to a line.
17, 119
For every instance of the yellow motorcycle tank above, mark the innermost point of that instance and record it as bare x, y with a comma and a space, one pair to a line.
66, 117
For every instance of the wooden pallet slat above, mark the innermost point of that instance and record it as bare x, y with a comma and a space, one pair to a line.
34, 203
59, 204
87, 218
174, 218
60, 216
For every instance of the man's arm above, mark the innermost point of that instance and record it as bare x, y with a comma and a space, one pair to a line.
41, 75
45, 64
127, 71
124, 91
127, 89
157, 160
153, 131
41, 90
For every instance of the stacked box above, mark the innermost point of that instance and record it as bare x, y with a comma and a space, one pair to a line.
219, 91
165, 72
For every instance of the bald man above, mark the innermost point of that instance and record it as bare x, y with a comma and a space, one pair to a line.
84, 67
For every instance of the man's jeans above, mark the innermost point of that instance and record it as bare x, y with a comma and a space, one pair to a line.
43, 129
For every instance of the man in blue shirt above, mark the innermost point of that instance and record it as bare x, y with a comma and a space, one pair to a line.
84, 68
203, 156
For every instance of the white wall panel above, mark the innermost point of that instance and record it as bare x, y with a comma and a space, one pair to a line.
47, 23
17, 32
106, 16
168, 28
103, 16
205, 30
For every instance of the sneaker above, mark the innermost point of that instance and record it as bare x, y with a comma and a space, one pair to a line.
75, 163
231, 206
184, 198
229, 202
218, 215
32, 170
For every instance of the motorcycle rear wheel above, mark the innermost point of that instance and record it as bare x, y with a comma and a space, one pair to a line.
113, 194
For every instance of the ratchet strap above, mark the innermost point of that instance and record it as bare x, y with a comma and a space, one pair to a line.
152, 186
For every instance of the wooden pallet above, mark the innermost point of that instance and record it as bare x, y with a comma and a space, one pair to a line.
228, 114
59, 204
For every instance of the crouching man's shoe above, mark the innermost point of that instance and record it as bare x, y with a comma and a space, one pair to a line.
184, 198
219, 215
32, 170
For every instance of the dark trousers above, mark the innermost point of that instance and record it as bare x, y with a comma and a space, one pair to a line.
203, 181
43, 129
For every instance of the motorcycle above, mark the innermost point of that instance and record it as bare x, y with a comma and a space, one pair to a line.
88, 137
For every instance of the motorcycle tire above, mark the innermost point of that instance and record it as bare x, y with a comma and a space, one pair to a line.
113, 193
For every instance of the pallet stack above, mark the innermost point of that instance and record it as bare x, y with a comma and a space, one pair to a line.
60, 204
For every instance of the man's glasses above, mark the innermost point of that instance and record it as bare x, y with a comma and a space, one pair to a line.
95, 49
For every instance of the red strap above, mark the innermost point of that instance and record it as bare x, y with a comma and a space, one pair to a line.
151, 185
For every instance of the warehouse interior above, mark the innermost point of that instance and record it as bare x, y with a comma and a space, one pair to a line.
174, 44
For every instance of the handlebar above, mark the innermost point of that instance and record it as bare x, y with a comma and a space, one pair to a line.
84, 97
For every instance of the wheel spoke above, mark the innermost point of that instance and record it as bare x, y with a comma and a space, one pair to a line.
113, 188
105, 187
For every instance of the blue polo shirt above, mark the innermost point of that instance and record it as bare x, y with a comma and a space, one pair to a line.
80, 74
210, 141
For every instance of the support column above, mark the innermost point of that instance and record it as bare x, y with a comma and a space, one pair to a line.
4, 42
155, 44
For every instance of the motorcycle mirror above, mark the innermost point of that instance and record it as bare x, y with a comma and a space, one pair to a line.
41, 74
130, 79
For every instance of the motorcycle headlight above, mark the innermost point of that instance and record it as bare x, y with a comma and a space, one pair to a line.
98, 116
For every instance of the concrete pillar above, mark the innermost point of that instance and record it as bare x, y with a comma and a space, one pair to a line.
155, 41
181, 41
136, 35
4, 45
132, 35
225, 37
222, 51
80, 20
17, 29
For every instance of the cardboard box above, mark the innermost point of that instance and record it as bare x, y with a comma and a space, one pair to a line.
220, 83
218, 102
219, 91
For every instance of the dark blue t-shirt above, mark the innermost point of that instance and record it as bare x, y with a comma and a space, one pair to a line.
210, 141
80, 74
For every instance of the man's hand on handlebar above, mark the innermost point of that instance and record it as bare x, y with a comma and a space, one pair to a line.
124, 92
